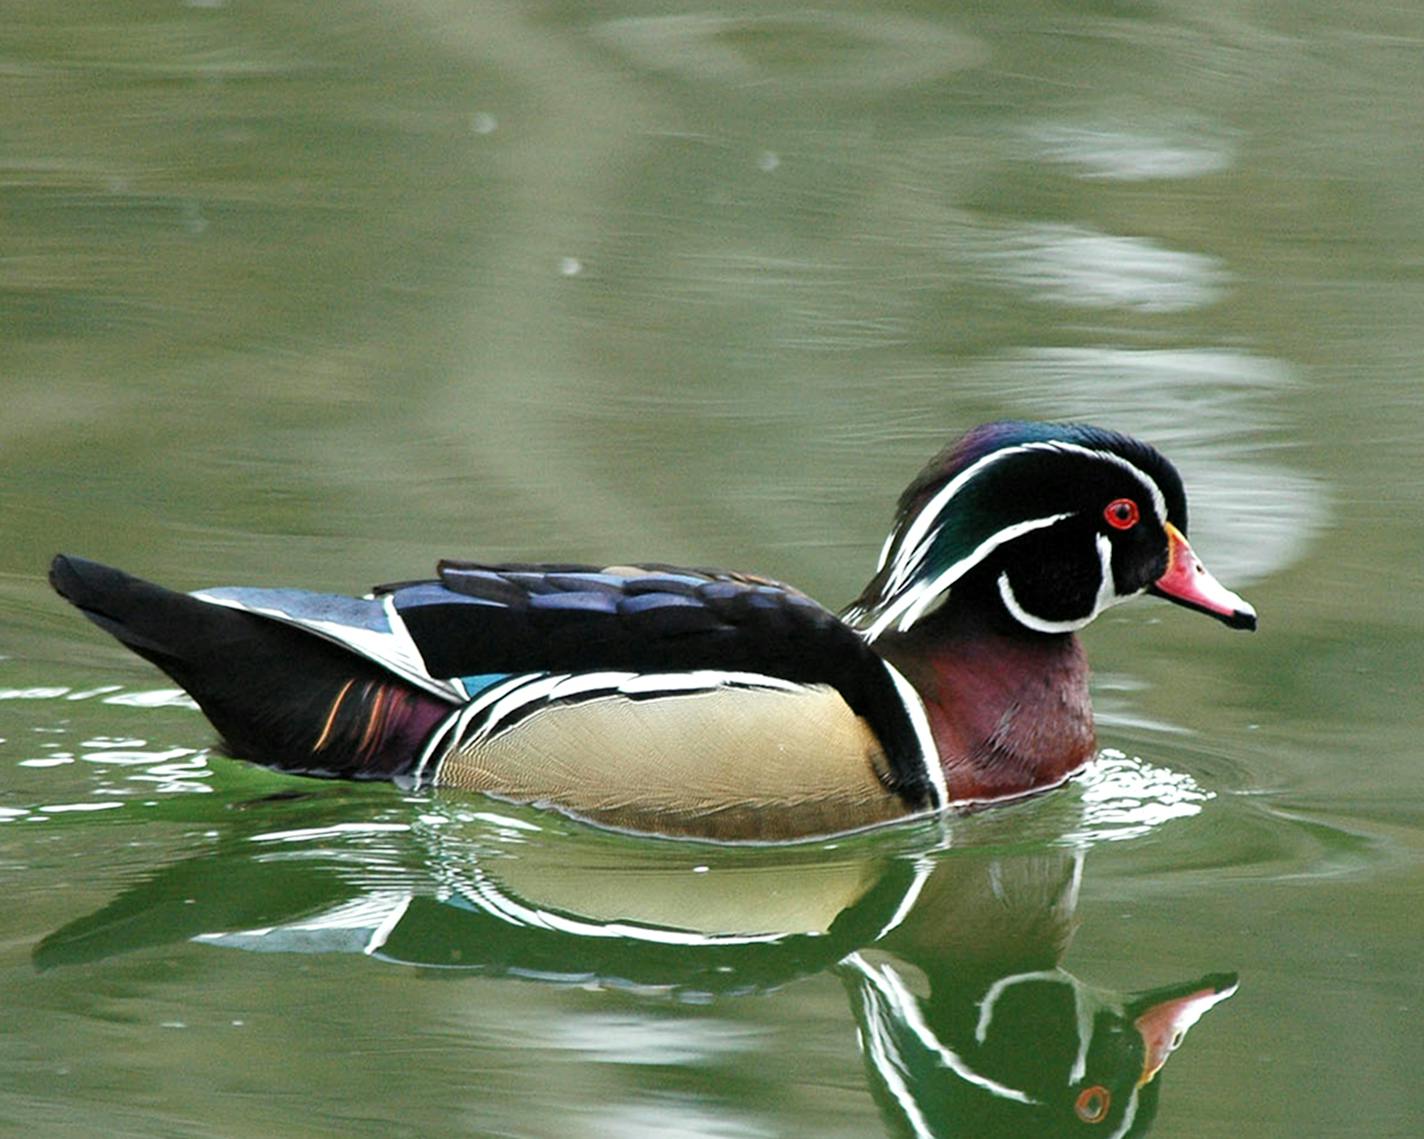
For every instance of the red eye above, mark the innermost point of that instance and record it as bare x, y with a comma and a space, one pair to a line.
1122, 514
1093, 1104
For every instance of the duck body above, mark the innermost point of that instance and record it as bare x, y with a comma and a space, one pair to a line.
708, 703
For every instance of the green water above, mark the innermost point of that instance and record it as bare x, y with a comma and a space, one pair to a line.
302, 295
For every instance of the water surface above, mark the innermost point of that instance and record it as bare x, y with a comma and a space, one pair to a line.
299, 298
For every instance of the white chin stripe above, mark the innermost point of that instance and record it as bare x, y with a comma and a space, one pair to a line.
1106, 598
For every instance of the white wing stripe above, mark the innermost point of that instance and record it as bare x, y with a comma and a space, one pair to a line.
392, 649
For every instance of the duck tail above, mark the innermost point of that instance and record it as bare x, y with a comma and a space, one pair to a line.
278, 695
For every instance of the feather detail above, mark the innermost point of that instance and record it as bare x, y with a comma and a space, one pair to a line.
729, 761
278, 693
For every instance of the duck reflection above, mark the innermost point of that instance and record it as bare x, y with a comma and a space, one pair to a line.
970, 1027
967, 1023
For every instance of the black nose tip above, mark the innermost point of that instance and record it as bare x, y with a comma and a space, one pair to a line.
1242, 619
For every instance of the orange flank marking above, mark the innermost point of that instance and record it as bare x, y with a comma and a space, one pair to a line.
377, 718
331, 716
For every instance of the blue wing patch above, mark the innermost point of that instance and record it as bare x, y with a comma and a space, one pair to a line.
474, 685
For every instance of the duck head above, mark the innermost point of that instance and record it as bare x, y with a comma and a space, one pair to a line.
1045, 525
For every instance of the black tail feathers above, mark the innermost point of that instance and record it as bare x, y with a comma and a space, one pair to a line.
277, 695
157, 623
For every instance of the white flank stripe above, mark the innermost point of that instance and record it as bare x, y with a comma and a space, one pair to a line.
530, 693
929, 752
550, 689
705, 678
459, 722
436, 742
582, 682
494, 694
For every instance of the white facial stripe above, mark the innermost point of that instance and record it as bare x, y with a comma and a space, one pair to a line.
902, 1004
879, 1044
913, 603
1128, 1116
918, 536
885, 552
908, 605
1106, 598
998, 988
1159, 502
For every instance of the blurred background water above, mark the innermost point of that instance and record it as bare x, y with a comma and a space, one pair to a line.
311, 295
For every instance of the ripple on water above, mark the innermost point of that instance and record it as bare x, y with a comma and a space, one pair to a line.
836, 53
1124, 797
124, 767
1110, 152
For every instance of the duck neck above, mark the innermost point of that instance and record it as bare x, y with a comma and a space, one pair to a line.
1009, 708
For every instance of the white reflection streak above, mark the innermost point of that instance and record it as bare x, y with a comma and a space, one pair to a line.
1079, 268
1113, 155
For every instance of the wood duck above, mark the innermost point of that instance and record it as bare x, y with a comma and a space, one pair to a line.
702, 702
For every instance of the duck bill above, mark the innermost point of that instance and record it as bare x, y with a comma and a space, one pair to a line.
1166, 1015
1189, 583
